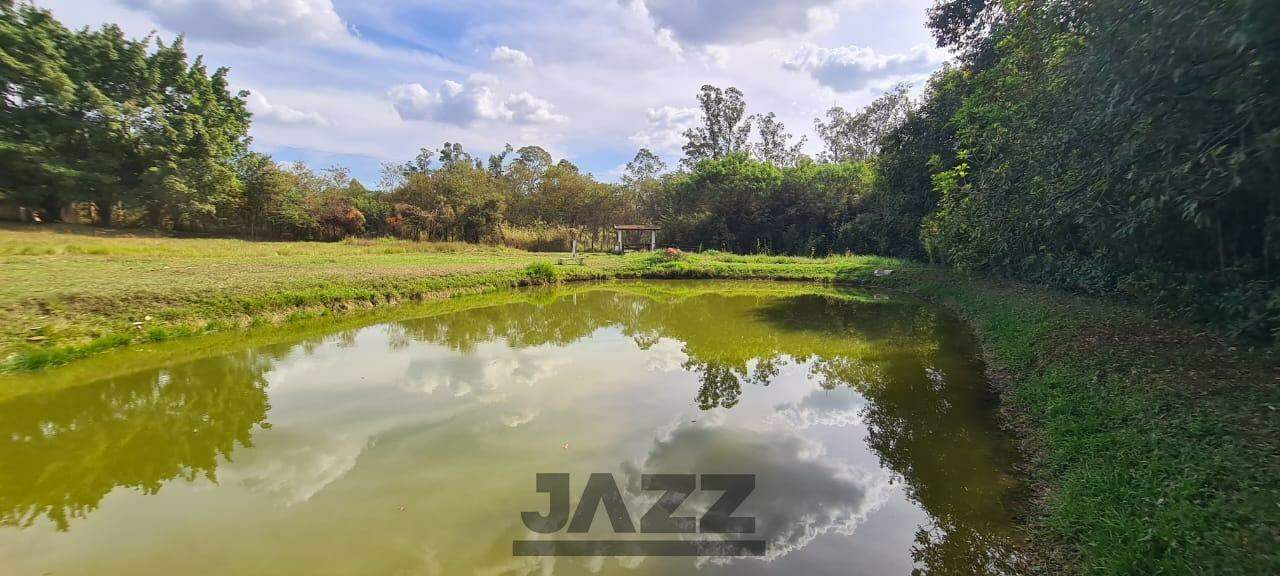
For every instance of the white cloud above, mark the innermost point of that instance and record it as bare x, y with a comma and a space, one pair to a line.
801, 492
527, 109
264, 110
665, 132
488, 369
510, 56
469, 103
714, 56
838, 408
667, 355
251, 22
850, 68
293, 465
738, 21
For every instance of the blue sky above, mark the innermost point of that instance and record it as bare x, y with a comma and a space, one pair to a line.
361, 83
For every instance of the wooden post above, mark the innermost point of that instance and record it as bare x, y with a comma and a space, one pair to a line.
619, 241
653, 240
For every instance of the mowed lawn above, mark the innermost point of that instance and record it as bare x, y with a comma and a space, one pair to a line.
62, 285
42, 263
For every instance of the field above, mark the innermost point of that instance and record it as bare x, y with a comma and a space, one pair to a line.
1152, 446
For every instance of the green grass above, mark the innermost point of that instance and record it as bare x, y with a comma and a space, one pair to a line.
1154, 448
82, 290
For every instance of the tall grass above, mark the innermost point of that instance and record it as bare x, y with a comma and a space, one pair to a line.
538, 238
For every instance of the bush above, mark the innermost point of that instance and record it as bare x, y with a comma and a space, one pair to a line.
338, 218
410, 222
542, 273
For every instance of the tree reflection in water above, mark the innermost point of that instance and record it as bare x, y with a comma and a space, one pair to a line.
63, 451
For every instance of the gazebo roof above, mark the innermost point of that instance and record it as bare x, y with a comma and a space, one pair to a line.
637, 227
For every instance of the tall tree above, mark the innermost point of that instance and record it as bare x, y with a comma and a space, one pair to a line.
856, 137
36, 95
264, 185
93, 115
725, 127
775, 145
497, 164
452, 154
534, 157
645, 166
641, 180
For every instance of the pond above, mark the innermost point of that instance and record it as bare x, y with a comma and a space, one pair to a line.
862, 420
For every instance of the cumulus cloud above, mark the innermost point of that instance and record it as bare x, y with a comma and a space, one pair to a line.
800, 493
665, 132
510, 56
250, 22
850, 68
265, 110
294, 465
469, 103
737, 21
524, 108
839, 408
489, 369
666, 355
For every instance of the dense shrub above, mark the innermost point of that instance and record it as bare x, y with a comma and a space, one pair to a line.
410, 222
542, 273
336, 217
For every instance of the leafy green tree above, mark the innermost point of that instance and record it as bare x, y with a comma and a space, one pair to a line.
644, 167
264, 187
775, 145
642, 182
36, 93
452, 154
725, 127
534, 158
888, 220
856, 137
92, 115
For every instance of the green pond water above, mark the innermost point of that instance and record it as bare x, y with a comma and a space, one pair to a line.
412, 446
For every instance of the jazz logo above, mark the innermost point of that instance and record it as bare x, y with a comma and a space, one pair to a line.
602, 491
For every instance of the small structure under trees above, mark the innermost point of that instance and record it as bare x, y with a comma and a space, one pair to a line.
633, 236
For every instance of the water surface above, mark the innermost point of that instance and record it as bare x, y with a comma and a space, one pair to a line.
411, 447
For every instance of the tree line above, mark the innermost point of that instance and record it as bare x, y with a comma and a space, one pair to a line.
133, 132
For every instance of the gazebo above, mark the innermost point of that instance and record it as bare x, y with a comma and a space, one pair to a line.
632, 236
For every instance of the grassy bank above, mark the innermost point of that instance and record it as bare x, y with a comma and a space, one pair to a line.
1153, 447
70, 292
